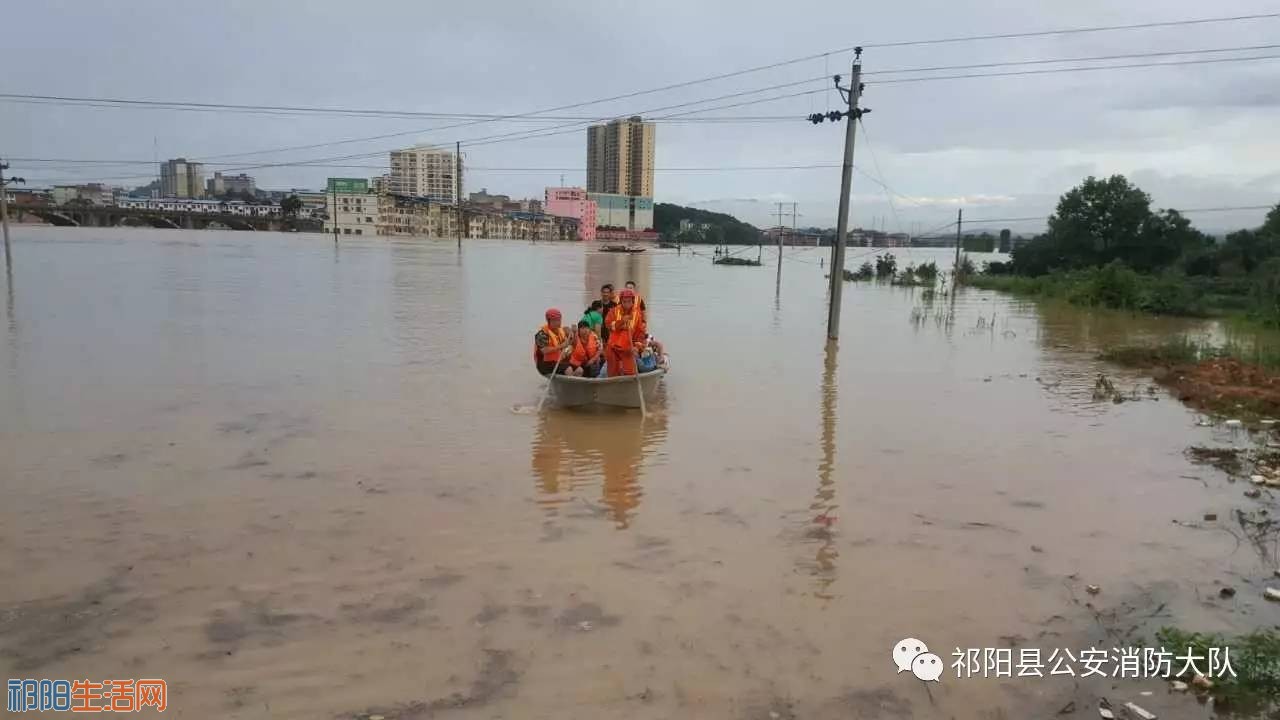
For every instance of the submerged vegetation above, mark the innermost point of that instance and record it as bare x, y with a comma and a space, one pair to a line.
1255, 659
886, 268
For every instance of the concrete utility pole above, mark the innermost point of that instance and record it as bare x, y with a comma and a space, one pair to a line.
852, 94
457, 186
956, 269
779, 214
4, 210
335, 211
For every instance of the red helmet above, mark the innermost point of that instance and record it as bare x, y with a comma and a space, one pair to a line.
627, 293
553, 314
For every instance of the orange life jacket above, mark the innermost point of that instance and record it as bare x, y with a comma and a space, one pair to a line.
557, 339
624, 338
583, 353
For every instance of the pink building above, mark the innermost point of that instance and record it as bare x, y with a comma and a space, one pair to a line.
573, 202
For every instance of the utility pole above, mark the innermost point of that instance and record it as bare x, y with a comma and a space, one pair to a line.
457, 186
851, 117
779, 214
956, 269
4, 211
335, 211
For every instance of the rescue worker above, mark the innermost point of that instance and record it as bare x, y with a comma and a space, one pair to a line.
627, 335
631, 285
549, 342
587, 353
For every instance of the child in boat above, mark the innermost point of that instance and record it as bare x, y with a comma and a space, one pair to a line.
587, 353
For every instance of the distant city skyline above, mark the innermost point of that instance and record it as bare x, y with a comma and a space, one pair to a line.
1196, 135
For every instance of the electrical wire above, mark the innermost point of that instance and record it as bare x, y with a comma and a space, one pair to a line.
1050, 61
1051, 71
1071, 31
783, 63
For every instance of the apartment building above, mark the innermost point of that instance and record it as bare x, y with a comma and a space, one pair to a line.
425, 171
352, 209
620, 157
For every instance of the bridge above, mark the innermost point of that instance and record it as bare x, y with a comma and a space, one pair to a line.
109, 216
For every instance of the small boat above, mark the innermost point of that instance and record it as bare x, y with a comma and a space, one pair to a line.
621, 249
613, 391
729, 260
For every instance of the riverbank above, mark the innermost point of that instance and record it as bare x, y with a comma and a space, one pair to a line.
1212, 379
1118, 287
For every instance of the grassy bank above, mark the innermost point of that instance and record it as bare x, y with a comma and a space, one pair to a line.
1181, 351
1118, 287
1232, 380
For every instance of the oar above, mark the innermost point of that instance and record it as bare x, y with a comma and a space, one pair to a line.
639, 387
549, 377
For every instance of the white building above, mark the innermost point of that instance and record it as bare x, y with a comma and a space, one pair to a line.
425, 171
210, 207
351, 207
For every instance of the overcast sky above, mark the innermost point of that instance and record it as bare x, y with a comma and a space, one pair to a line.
1193, 136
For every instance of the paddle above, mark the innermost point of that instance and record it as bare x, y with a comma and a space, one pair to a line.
554, 370
639, 387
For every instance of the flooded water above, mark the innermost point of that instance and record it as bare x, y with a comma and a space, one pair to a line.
298, 480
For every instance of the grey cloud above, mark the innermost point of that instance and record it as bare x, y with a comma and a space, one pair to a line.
1027, 138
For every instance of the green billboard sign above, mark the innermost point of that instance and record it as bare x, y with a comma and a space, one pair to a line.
348, 185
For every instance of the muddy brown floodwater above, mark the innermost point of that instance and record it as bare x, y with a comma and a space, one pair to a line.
305, 481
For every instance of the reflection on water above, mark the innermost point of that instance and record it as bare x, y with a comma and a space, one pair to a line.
616, 268
577, 450
821, 531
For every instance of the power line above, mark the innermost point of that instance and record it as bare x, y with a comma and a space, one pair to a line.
1045, 218
295, 110
1092, 58
473, 167
721, 168
743, 93
770, 66
575, 127
289, 111
1051, 71
1071, 31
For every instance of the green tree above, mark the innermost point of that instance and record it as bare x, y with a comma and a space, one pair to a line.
291, 205
1006, 240
1271, 226
1165, 237
1099, 221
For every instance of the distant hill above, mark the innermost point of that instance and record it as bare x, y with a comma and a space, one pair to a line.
727, 229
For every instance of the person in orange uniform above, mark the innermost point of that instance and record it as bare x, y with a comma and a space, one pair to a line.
587, 353
627, 335
549, 342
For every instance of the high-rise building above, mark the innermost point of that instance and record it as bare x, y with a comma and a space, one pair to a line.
620, 157
425, 171
181, 179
